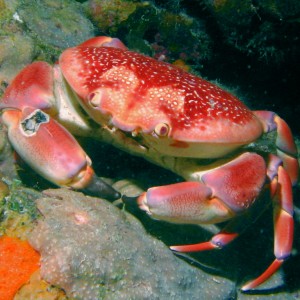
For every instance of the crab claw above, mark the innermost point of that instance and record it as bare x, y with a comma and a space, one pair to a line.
185, 202
224, 192
47, 147
51, 150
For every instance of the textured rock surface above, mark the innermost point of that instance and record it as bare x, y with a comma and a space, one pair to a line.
38, 289
95, 251
31, 30
146, 27
60, 24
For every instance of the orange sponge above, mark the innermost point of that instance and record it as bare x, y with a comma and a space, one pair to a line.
18, 260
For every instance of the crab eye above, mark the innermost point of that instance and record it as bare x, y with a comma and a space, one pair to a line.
162, 129
94, 99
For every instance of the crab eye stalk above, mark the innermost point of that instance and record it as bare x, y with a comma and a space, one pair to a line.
162, 129
94, 99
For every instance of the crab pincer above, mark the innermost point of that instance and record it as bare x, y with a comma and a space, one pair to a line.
45, 145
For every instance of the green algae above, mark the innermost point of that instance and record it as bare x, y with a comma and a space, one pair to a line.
18, 210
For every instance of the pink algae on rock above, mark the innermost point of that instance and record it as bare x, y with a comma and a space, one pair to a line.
93, 250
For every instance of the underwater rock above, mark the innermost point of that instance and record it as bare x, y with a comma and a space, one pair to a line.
16, 51
281, 9
267, 30
7, 159
38, 289
18, 210
94, 250
109, 14
60, 24
154, 31
38, 30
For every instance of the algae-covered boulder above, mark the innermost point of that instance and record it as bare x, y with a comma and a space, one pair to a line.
93, 250
38, 30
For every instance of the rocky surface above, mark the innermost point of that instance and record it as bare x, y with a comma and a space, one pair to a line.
38, 30
95, 251
39, 289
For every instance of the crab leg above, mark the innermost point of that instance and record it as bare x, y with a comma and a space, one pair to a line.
218, 241
103, 41
283, 228
286, 148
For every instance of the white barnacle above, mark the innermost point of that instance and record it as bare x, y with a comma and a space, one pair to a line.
17, 18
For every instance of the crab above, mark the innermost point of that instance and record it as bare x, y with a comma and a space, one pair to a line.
172, 118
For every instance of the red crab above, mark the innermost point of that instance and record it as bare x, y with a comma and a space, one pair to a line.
170, 117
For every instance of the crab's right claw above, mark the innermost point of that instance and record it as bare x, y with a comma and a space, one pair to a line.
52, 151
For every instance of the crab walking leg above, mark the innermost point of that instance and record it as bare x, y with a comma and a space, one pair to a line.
286, 148
229, 233
51, 150
218, 241
283, 228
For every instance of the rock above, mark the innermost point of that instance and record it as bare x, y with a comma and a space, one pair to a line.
145, 27
16, 51
59, 24
267, 30
38, 289
93, 250
38, 30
